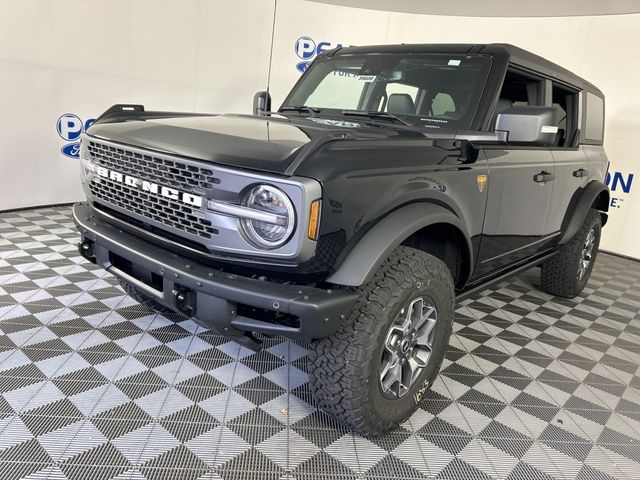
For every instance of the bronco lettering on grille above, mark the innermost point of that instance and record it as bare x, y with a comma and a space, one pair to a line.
145, 186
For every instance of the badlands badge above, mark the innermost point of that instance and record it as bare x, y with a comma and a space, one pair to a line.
482, 182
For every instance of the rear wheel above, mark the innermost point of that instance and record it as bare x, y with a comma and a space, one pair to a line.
567, 273
374, 371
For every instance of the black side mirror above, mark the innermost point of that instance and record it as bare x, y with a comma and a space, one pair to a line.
261, 103
529, 125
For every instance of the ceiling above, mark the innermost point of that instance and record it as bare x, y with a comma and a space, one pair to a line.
498, 8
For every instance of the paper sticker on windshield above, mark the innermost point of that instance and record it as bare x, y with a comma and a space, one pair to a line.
366, 78
454, 62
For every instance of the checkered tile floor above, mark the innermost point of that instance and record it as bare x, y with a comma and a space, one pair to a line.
94, 386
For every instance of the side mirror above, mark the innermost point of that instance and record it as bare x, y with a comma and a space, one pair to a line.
261, 103
529, 125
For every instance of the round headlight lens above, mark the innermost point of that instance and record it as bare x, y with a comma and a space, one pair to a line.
278, 222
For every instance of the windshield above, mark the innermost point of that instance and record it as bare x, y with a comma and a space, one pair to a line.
426, 90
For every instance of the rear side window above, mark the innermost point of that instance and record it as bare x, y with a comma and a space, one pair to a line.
594, 118
565, 101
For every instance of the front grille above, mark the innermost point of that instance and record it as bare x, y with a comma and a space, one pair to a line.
149, 167
163, 171
168, 212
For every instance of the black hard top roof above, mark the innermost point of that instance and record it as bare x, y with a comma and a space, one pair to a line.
516, 56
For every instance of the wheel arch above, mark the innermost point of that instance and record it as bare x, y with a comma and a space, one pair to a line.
594, 195
415, 225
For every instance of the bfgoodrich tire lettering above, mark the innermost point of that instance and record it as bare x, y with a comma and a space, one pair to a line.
345, 368
566, 275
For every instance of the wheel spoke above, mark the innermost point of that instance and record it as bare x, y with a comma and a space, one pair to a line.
412, 368
392, 375
425, 333
393, 337
427, 313
414, 314
421, 355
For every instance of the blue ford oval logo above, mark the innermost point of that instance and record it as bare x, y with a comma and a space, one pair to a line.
302, 66
71, 150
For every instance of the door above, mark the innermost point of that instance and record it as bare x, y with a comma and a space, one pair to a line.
576, 165
520, 189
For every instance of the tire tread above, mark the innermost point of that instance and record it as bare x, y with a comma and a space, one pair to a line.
340, 365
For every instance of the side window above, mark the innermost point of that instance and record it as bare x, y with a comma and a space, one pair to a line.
565, 101
594, 118
519, 90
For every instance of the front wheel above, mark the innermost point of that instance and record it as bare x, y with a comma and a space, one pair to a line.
566, 274
374, 371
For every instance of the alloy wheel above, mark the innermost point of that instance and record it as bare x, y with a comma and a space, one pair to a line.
587, 254
407, 347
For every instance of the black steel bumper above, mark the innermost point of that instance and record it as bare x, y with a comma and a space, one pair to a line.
235, 306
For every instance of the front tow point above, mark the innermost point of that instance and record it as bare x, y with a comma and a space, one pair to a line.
87, 250
185, 301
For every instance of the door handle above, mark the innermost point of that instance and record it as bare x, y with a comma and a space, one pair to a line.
543, 177
581, 172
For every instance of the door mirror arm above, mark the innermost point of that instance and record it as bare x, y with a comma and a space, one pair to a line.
479, 139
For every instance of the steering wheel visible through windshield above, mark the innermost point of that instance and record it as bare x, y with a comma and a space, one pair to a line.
426, 90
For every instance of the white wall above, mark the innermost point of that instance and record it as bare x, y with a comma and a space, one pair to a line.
81, 56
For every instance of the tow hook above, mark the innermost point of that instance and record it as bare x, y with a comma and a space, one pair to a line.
86, 250
185, 301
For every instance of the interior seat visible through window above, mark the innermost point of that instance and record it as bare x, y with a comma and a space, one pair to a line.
401, 103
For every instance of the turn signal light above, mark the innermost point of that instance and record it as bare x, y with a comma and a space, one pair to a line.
314, 220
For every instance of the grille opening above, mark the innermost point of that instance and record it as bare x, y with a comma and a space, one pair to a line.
167, 212
151, 279
268, 316
180, 175
150, 228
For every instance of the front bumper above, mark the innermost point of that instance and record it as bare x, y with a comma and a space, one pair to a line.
235, 306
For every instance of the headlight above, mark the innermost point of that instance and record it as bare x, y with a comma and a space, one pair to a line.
274, 221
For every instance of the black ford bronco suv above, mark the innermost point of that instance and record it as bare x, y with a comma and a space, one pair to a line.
393, 180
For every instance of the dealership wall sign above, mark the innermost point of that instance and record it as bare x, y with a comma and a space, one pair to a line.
620, 184
307, 49
69, 127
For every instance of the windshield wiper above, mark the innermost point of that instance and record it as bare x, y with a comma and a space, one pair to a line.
301, 109
376, 115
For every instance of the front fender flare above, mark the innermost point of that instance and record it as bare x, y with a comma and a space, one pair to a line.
376, 246
579, 208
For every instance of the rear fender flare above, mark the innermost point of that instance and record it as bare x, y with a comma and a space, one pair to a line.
362, 262
579, 208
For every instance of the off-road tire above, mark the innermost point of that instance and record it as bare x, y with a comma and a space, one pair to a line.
344, 368
143, 298
559, 274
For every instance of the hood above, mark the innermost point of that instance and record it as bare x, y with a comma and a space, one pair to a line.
269, 144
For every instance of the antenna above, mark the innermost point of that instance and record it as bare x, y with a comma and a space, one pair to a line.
273, 31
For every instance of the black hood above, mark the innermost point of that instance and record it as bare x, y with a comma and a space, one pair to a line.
269, 144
